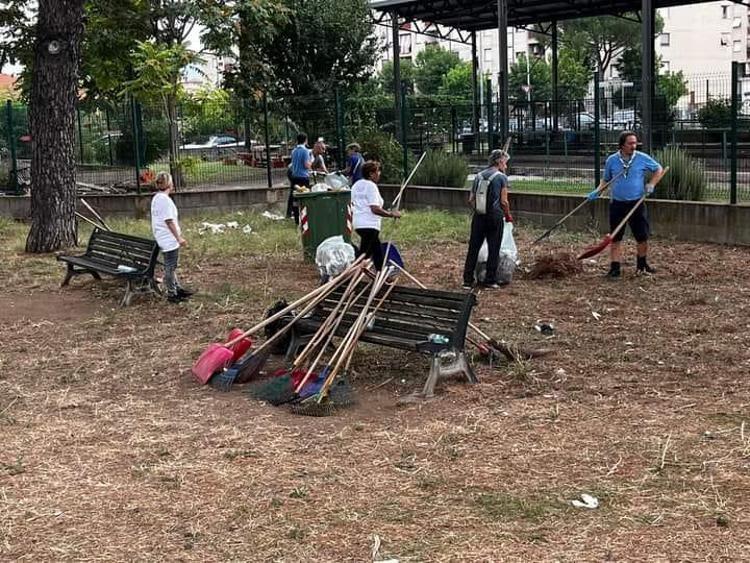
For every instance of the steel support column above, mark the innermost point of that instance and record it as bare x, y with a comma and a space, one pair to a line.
474, 86
396, 74
502, 75
648, 15
555, 92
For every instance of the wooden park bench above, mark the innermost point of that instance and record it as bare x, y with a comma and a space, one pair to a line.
405, 321
122, 256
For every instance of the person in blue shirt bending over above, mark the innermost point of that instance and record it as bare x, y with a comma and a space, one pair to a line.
635, 174
354, 163
299, 173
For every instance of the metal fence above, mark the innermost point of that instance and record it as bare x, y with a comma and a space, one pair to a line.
557, 146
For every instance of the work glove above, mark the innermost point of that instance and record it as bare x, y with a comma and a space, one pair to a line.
591, 196
649, 188
508, 218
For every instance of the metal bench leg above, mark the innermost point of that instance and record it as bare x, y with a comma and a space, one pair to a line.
128, 294
428, 391
68, 276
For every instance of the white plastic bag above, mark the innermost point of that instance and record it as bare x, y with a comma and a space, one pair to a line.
320, 187
507, 262
332, 256
337, 181
508, 244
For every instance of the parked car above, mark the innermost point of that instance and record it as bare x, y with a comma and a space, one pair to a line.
215, 141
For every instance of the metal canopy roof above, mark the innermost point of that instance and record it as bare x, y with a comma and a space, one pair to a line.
476, 15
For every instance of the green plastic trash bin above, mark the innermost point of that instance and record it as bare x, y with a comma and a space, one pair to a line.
323, 215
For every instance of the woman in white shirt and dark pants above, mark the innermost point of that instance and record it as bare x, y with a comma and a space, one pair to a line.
368, 211
166, 229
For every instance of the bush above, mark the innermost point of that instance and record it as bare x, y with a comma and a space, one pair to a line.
716, 114
685, 179
442, 169
382, 147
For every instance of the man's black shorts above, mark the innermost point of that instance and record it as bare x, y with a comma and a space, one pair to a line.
638, 222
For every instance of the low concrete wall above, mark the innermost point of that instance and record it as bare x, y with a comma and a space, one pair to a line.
682, 220
189, 203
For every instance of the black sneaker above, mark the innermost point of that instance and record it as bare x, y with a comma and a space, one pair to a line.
642, 268
182, 292
466, 286
614, 271
175, 299
491, 285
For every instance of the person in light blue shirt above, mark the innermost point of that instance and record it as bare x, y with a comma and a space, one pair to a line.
299, 174
354, 163
633, 174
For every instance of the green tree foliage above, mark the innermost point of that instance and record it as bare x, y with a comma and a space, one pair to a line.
457, 82
431, 66
539, 74
670, 86
324, 44
385, 76
16, 25
603, 38
246, 28
573, 74
716, 114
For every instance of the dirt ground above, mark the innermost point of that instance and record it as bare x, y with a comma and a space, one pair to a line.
111, 452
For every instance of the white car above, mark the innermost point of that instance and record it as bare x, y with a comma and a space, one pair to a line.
215, 141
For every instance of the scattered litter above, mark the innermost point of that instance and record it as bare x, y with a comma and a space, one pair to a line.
124, 268
247, 229
233, 225
545, 327
560, 372
596, 315
215, 228
272, 216
587, 501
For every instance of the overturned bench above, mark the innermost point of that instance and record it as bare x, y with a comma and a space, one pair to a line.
406, 320
122, 256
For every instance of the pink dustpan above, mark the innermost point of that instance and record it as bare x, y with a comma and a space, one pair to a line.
215, 358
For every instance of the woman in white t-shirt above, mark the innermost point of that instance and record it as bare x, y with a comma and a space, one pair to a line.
367, 204
168, 235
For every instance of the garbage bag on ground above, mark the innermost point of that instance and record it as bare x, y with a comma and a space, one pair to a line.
507, 262
332, 256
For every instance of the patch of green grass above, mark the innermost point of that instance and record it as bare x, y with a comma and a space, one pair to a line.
503, 506
551, 187
419, 228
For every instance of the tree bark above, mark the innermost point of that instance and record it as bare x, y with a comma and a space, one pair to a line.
54, 94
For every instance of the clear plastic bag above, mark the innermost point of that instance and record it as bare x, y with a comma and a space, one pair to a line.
507, 263
332, 256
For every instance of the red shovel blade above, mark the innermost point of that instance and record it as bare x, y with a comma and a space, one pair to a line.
596, 249
215, 358
240, 347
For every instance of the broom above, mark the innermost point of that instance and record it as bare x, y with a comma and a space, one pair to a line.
218, 356
318, 403
609, 238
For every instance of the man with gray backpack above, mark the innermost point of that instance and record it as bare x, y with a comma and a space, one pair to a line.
489, 202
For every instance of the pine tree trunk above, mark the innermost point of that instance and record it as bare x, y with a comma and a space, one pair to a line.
54, 93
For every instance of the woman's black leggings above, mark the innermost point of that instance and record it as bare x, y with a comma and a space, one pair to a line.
371, 246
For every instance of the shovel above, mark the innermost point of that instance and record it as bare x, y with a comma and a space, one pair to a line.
218, 357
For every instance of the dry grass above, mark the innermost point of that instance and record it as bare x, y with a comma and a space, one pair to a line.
111, 452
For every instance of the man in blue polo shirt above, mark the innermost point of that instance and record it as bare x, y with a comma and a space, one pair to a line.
354, 163
299, 173
636, 174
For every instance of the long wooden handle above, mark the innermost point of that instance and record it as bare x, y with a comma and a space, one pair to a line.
397, 199
323, 289
95, 214
577, 208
